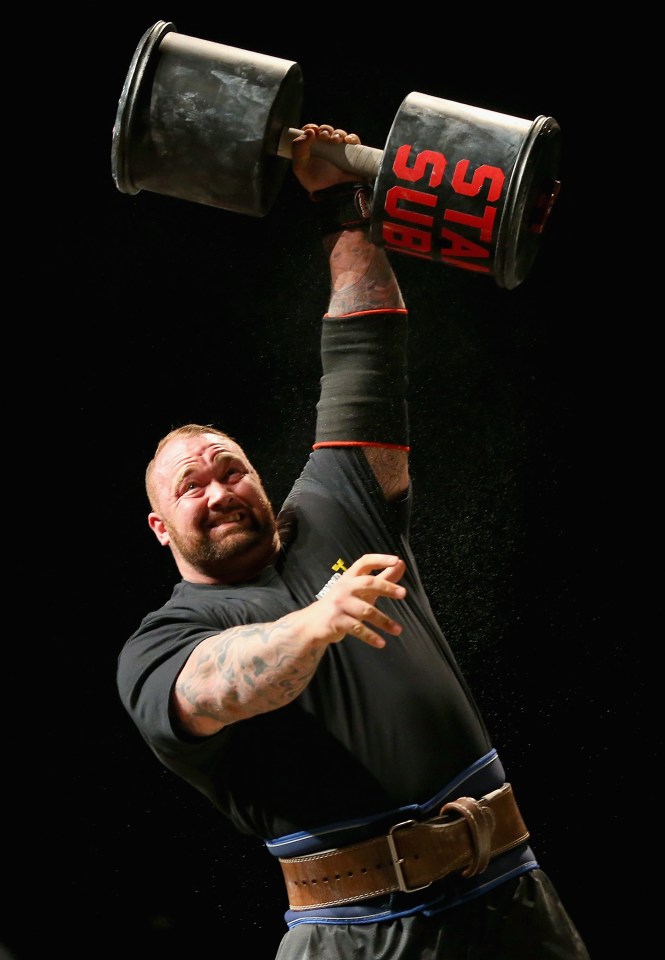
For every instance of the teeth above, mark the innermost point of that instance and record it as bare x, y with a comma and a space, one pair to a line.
228, 518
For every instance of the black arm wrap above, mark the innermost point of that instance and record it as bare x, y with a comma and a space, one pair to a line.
364, 383
345, 206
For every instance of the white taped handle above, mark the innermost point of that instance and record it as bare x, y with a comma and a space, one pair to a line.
352, 157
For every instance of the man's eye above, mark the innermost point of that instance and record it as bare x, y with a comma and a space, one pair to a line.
234, 474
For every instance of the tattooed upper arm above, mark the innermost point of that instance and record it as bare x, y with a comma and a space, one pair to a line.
391, 469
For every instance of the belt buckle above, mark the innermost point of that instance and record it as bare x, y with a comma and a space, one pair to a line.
398, 861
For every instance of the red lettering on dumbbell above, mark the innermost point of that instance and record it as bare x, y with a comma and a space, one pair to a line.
419, 168
462, 247
495, 175
484, 224
401, 204
460, 251
407, 239
397, 194
417, 243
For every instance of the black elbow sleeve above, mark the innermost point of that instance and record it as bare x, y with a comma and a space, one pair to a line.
364, 385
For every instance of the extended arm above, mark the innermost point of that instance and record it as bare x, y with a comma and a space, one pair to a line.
363, 395
255, 668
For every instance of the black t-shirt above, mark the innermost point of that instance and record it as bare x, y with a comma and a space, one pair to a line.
373, 731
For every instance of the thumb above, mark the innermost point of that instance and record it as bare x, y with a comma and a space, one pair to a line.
301, 147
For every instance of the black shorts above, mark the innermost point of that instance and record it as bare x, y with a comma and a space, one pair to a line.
520, 920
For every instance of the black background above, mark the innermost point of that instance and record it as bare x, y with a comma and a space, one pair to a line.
177, 311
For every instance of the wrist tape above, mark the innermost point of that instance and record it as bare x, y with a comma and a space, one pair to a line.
344, 206
364, 383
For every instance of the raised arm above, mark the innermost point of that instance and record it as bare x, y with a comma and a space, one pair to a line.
363, 353
255, 668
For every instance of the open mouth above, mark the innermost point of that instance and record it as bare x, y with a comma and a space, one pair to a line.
236, 517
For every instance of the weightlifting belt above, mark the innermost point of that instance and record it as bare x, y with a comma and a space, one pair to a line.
465, 836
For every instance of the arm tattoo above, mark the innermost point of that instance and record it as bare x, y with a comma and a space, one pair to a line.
390, 468
362, 277
247, 670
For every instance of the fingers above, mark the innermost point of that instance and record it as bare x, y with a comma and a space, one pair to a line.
363, 617
370, 586
368, 621
391, 568
374, 561
393, 572
314, 170
326, 132
362, 632
349, 607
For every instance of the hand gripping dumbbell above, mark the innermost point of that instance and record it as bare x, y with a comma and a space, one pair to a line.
455, 184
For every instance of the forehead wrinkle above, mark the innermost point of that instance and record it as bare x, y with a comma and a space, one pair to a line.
198, 461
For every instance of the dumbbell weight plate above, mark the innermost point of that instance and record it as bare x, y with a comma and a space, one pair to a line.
466, 186
201, 121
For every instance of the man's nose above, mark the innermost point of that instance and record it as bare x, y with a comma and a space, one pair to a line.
220, 494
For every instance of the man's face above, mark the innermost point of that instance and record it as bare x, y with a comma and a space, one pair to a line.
213, 511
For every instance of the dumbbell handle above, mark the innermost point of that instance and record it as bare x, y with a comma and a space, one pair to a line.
352, 157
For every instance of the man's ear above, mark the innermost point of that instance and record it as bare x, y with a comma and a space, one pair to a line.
156, 524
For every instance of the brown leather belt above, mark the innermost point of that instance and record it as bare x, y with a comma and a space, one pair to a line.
465, 836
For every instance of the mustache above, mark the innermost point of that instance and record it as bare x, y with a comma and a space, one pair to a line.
229, 513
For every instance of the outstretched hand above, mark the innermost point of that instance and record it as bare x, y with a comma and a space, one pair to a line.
349, 606
317, 173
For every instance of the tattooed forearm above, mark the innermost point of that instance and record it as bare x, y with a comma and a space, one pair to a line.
242, 672
362, 277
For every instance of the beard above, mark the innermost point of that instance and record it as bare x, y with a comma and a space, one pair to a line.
235, 554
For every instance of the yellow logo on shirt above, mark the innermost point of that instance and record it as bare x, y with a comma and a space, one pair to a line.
339, 567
